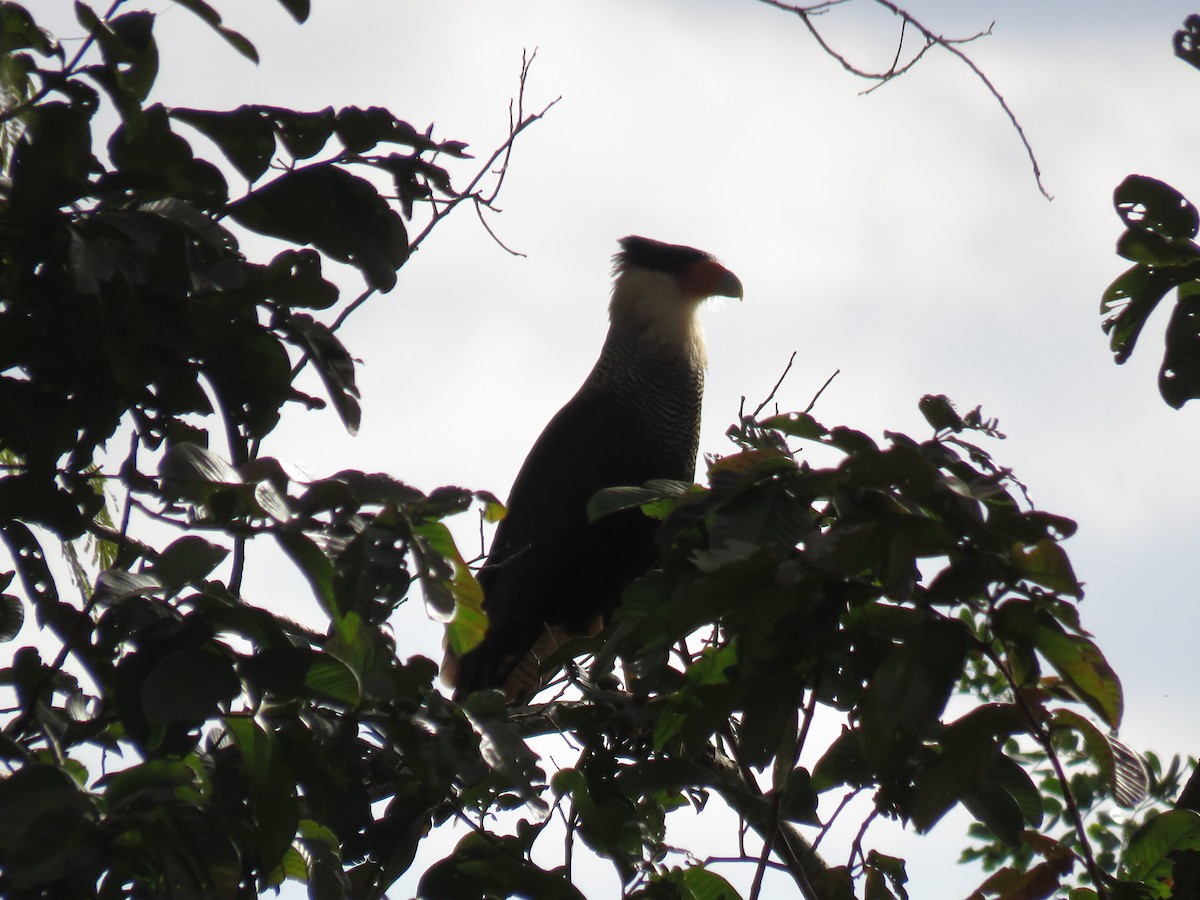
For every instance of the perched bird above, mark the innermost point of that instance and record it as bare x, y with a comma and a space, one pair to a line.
551, 574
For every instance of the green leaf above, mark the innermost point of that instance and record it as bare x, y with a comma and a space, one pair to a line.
1147, 855
272, 788
887, 871
316, 566
1127, 304
698, 883
800, 425
615, 499
1005, 800
19, 31
1099, 751
331, 677
1046, 563
1076, 659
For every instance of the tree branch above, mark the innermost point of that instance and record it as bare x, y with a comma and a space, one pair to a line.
950, 45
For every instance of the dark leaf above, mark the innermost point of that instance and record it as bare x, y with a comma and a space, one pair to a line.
333, 364
1179, 377
340, 214
969, 748
246, 135
187, 686
1004, 800
493, 866
889, 869
503, 749
297, 9
19, 32
910, 689
51, 161
296, 280
188, 559
693, 883
155, 159
361, 129
304, 133
800, 425
12, 616
615, 499
940, 413
45, 827
1128, 303
1187, 41
1151, 205
213, 19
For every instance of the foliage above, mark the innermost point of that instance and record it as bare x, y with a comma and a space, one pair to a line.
181, 740
1160, 230
177, 738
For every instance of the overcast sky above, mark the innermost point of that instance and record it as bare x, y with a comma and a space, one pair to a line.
899, 237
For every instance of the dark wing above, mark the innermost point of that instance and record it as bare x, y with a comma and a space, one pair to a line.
548, 565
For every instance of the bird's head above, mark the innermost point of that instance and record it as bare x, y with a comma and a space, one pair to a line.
657, 288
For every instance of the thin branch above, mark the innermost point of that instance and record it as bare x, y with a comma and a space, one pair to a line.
1042, 736
41, 93
771, 396
817, 395
951, 45
856, 847
471, 192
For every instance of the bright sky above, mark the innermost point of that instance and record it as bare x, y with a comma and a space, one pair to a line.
898, 237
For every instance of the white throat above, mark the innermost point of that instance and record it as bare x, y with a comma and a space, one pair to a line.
650, 308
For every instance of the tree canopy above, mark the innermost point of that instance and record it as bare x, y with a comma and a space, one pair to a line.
176, 737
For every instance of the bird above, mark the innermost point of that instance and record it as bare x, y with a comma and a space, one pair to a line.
550, 573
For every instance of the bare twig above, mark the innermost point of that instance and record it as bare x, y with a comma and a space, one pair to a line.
774, 390
518, 122
856, 847
471, 192
951, 45
817, 395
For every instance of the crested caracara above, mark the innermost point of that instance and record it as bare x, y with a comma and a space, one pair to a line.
551, 574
